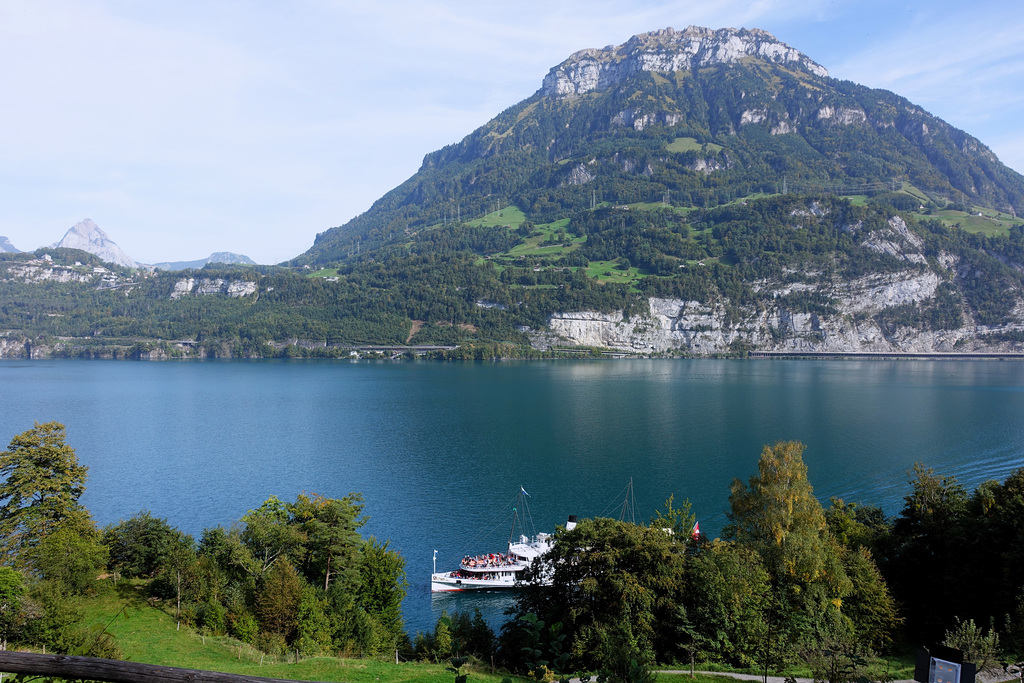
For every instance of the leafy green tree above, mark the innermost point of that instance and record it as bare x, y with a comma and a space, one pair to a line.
605, 573
980, 648
382, 585
268, 534
679, 521
12, 615
314, 626
474, 634
42, 482
726, 605
278, 599
929, 537
777, 516
180, 572
869, 606
855, 526
69, 561
139, 544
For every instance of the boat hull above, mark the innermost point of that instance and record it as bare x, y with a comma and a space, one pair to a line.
443, 583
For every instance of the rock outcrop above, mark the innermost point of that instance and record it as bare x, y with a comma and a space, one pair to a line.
87, 236
199, 286
667, 51
860, 320
674, 325
43, 269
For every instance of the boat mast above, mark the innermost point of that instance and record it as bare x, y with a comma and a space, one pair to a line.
628, 505
520, 500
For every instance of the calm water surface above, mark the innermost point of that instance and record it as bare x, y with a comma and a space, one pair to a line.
439, 450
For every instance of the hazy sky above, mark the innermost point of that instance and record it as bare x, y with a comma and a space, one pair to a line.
183, 128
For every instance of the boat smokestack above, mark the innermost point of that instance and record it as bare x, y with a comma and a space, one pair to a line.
571, 524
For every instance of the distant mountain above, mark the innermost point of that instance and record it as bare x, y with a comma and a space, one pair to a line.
225, 257
87, 236
7, 247
697, 117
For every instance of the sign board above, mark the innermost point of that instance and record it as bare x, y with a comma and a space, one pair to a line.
941, 671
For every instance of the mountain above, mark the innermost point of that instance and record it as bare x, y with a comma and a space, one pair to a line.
6, 246
87, 236
690, 192
223, 257
698, 117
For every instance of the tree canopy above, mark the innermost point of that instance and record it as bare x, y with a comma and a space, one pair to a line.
42, 482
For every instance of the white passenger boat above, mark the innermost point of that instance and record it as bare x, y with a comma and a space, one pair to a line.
497, 570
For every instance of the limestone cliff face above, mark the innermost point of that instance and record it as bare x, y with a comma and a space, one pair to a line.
199, 286
673, 325
44, 269
856, 325
667, 51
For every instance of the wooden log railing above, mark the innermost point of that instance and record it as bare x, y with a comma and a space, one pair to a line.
114, 671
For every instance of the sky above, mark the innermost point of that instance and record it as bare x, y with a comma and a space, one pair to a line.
186, 127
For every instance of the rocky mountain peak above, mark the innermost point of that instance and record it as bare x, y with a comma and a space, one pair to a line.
88, 236
669, 50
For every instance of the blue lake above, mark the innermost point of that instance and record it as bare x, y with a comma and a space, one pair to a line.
439, 450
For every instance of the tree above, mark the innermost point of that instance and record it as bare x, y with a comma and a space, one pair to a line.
180, 571
42, 482
278, 599
382, 585
138, 545
869, 605
314, 626
927, 556
726, 604
979, 648
268, 534
778, 516
678, 521
12, 592
606, 573
331, 539
69, 560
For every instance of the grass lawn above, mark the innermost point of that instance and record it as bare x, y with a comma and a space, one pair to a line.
146, 633
990, 223
660, 206
538, 245
608, 271
510, 216
691, 145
